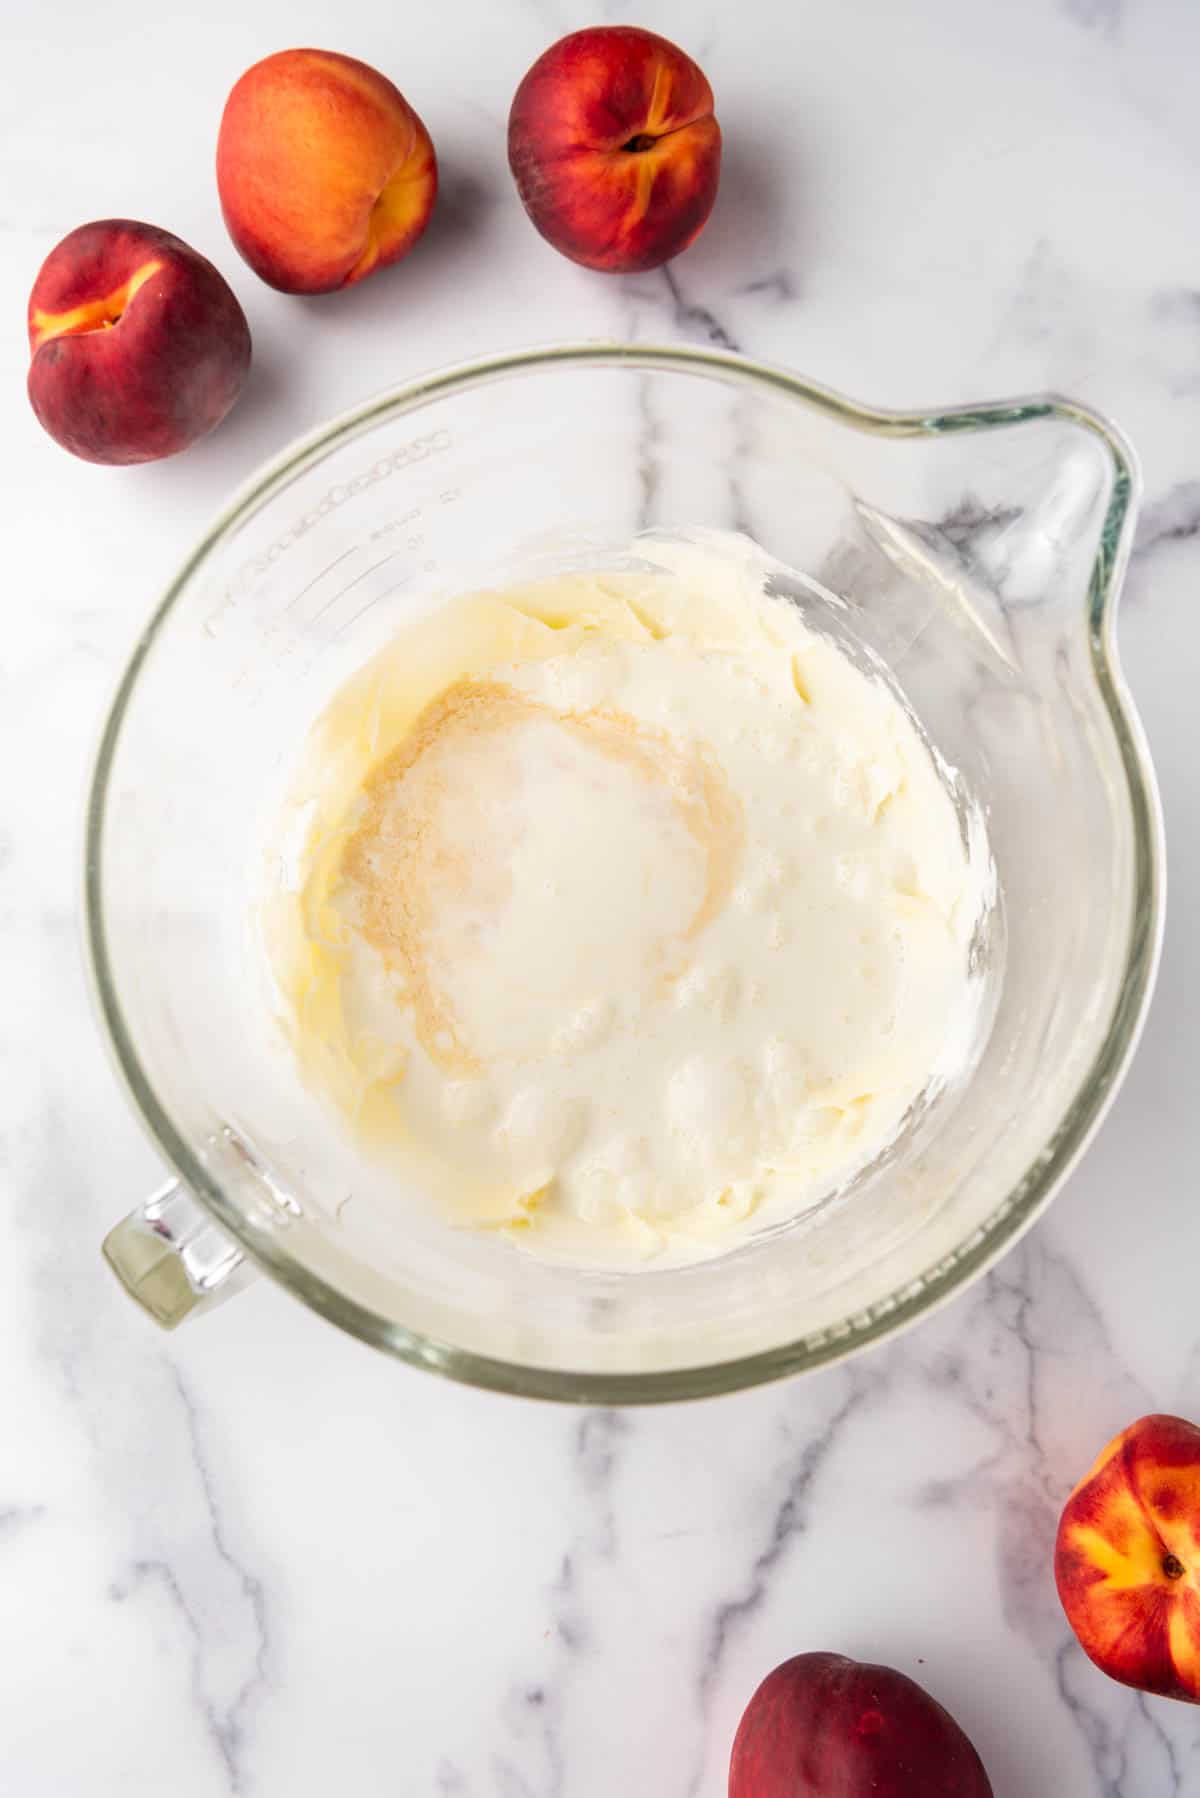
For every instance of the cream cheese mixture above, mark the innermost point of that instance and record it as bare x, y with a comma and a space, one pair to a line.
630, 915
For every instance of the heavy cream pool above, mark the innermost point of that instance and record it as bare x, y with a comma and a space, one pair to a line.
630, 915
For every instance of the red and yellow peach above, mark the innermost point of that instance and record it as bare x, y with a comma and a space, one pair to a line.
138, 344
614, 148
325, 172
1127, 1558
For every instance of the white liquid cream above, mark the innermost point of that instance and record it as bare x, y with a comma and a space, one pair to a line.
630, 916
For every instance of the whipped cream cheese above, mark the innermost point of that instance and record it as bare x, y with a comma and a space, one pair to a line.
630, 916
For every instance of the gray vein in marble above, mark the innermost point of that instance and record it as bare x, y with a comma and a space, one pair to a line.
1175, 315
16, 1517
225, 1717
1010, 1294
597, 1438
696, 320
535, 1710
1030, 1326
1184, 300
1095, 15
1174, 1768
778, 285
177, 1539
1107, 1754
1118, 1749
741, 448
1173, 519
1025, 1308
647, 454
1038, 297
156, 1571
969, 520
789, 1521
235, 1710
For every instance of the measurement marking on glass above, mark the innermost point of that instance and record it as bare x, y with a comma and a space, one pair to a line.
297, 597
363, 610
342, 592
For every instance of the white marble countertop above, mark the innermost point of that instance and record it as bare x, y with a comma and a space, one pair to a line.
255, 1558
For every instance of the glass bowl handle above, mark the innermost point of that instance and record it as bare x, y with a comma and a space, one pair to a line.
172, 1258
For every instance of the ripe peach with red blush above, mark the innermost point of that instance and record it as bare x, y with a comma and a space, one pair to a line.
822, 1726
324, 170
1127, 1558
138, 344
615, 148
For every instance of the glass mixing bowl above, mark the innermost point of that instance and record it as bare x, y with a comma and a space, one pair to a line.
979, 551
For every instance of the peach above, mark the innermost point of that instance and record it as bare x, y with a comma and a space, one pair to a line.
324, 170
1127, 1558
822, 1726
614, 148
139, 346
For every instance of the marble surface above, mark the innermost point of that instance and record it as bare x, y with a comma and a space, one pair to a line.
255, 1558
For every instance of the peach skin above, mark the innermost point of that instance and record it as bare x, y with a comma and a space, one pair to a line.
139, 346
822, 1726
614, 148
324, 170
1127, 1559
